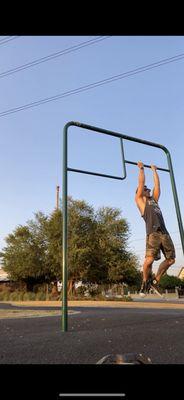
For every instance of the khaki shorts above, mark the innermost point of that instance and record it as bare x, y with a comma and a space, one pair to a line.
157, 242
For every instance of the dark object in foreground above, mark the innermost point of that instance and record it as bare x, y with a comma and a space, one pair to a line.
129, 358
180, 292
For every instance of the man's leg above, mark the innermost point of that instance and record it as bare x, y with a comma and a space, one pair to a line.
161, 270
168, 250
163, 267
147, 267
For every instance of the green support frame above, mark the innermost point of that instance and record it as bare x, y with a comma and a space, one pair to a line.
124, 162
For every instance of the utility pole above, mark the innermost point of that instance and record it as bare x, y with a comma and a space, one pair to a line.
57, 197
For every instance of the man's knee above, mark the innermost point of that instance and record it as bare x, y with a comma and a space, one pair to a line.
148, 260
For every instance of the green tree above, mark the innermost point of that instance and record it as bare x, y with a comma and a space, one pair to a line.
33, 252
112, 232
23, 257
97, 247
54, 244
182, 283
80, 239
169, 281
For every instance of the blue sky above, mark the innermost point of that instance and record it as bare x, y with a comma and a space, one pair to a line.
148, 105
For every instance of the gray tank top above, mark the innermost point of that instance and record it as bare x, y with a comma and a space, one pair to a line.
153, 217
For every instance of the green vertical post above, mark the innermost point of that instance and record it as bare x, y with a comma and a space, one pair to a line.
123, 158
65, 218
178, 213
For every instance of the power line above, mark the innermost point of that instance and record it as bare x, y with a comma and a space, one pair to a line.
93, 85
4, 38
53, 55
3, 41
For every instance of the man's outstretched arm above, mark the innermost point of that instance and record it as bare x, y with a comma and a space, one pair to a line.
156, 189
141, 180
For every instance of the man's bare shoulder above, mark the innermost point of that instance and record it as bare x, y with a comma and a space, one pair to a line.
140, 198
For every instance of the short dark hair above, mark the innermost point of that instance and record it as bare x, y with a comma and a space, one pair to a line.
145, 187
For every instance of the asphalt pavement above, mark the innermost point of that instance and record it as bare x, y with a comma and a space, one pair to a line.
93, 333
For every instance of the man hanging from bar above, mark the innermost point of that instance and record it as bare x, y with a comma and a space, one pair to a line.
157, 236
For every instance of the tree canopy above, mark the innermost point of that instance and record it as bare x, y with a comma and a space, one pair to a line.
170, 282
97, 247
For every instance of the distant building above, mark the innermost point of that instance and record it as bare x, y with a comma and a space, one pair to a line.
181, 273
3, 276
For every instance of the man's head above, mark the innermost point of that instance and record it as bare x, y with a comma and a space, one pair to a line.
146, 191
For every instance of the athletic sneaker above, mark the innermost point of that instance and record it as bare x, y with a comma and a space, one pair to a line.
155, 286
144, 288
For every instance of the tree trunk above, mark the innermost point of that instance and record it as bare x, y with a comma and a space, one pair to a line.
71, 287
47, 290
55, 289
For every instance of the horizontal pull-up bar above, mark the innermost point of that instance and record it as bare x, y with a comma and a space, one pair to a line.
81, 171
95, 173
115, 134
147, 166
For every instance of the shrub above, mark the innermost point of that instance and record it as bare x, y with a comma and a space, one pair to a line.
124, 298
32, 296
26, 296
169, 282
21, 296
49, 297
40, 296
1, 296
81, 290
93, 292
14, 296
6, 296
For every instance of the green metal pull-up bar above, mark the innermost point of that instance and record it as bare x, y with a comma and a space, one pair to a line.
124, 162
